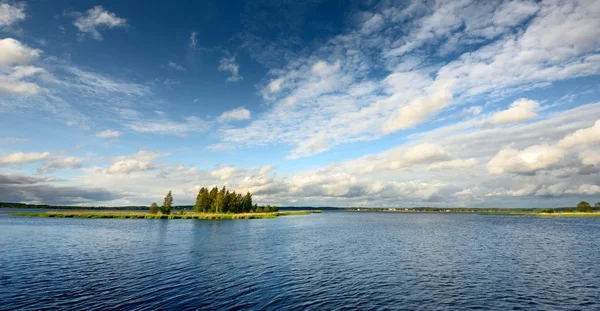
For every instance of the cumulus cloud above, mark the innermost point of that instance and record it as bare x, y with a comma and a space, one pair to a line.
23, 157
590, 158
489, 50
61, 163
590, 135
421, 108
16, 53
140, 161
33, 190
521, 110
108, 134
97, 18
229, 64
237, 114
527, 161
452, 164
14, 71
226, 173
11, 13
585, 189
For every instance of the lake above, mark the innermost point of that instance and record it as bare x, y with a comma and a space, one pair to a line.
334, 260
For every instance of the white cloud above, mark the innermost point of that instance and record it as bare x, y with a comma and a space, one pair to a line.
61, 163
226, 173
23, 157
141, 161
174, 66
585, 189
193, 43
229, 64
322, 68
166, 126
16, 53
421, 108
521, 110
590, 135
11, 86
590, 158
108, 134
527, 161
11, 13
97, 18
458, 163
237, 114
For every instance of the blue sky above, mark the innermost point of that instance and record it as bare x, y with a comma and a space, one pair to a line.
335, 103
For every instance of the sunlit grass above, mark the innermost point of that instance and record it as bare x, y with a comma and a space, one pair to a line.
144, 215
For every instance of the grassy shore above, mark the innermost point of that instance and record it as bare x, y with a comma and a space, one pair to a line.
143, 215
543, 214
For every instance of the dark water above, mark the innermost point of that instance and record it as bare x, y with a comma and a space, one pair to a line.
336, 260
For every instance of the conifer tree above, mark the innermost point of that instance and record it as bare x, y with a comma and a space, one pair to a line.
167, 204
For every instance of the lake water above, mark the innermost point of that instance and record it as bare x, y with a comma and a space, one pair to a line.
334, 260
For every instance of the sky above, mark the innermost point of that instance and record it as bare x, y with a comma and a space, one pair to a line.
303, 103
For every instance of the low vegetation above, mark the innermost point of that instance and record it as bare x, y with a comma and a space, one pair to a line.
213, 204
142, 215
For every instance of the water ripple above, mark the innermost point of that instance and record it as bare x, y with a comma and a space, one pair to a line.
331, 261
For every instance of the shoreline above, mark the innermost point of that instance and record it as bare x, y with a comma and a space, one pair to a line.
542, 214
145, 215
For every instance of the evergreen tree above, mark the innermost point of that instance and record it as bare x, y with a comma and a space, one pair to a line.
239, 203
247, 202
199, 198
219, 201
212, 197
167, 204
227, 202
153, 208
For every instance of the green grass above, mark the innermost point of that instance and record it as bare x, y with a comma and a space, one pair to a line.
140, 215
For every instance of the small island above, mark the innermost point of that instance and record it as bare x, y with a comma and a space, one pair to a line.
213, 204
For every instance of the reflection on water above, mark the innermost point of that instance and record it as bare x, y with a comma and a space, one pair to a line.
320, 261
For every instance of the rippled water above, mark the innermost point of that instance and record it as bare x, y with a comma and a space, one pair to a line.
335, 260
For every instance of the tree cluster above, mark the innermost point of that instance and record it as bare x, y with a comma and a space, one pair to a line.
216, 201
223, 201
585, 207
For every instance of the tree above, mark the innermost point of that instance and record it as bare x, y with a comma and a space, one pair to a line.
584, 207
167, 204
267, 208
153, 208
200, 198
212, 197
598, 206
247, 203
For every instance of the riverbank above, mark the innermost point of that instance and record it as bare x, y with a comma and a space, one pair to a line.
543, 214
142, 215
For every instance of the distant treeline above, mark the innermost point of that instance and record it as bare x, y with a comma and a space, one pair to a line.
71, 207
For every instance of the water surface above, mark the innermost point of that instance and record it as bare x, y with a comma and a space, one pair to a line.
334, 260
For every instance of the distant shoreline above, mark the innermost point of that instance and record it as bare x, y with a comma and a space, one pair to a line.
142, 215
